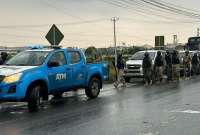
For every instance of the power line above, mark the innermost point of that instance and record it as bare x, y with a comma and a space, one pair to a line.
137, 10
59, 24
142, 9
47, 3
145, 7
152, 9
172, 9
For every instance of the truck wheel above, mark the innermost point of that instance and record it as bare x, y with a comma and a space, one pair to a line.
93, 90
34, 99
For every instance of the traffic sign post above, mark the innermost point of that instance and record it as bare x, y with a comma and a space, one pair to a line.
54, 36
159, 42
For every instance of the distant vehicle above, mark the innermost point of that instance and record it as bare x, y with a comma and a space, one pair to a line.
34, 74
193, 43
134, 64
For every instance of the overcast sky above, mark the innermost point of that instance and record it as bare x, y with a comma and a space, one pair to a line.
133, 27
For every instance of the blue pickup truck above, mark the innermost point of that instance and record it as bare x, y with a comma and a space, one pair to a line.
33, 75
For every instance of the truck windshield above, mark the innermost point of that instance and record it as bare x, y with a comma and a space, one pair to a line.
193, 43
140, 55
28, 58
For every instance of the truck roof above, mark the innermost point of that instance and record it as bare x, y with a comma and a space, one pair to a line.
49, 50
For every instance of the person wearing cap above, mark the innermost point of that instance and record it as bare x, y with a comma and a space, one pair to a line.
175, 66
147, 69
120, 71
4, 57
168, 60
159, 65
187, 64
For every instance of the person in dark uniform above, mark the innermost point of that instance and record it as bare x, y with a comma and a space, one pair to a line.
168, 60
147, 69
195, 64
175, 66
120, 71
187, 64
159, 65
4, 57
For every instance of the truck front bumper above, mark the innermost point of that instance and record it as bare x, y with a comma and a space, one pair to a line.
11, 92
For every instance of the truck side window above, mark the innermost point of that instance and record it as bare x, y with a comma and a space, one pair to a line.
58, 57
75, 57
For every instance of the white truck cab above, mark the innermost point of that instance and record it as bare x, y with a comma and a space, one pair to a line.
134, 64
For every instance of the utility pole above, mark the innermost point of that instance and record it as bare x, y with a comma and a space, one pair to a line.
198, 32
175, 42
114, 19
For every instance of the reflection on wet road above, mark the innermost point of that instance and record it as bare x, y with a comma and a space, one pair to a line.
167, 109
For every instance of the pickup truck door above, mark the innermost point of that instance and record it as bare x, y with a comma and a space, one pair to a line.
78, 68
59, 72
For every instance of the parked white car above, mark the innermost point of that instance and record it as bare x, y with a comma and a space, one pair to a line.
134, 64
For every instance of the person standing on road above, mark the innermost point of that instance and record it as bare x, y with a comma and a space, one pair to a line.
168, 60
175, 66
195, 64
147, 69
4, 57
120, 71
159, 63
187, 64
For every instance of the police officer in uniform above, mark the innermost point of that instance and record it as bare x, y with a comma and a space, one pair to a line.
120, 71
195, 64
168, 60
187, 64
175, 66
159, 63
147, 69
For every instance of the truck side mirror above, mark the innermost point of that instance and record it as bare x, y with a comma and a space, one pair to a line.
53, 64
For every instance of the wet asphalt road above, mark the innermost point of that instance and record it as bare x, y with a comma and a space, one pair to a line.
167, 109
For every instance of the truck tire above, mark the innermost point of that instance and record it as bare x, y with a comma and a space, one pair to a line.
34, 99
93, 90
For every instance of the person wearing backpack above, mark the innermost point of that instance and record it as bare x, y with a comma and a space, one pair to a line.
147, 69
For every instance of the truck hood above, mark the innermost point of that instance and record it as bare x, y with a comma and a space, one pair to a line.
10, 70
134, 62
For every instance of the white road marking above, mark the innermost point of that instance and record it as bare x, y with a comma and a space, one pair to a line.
16, 112
187, 111
150, 133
